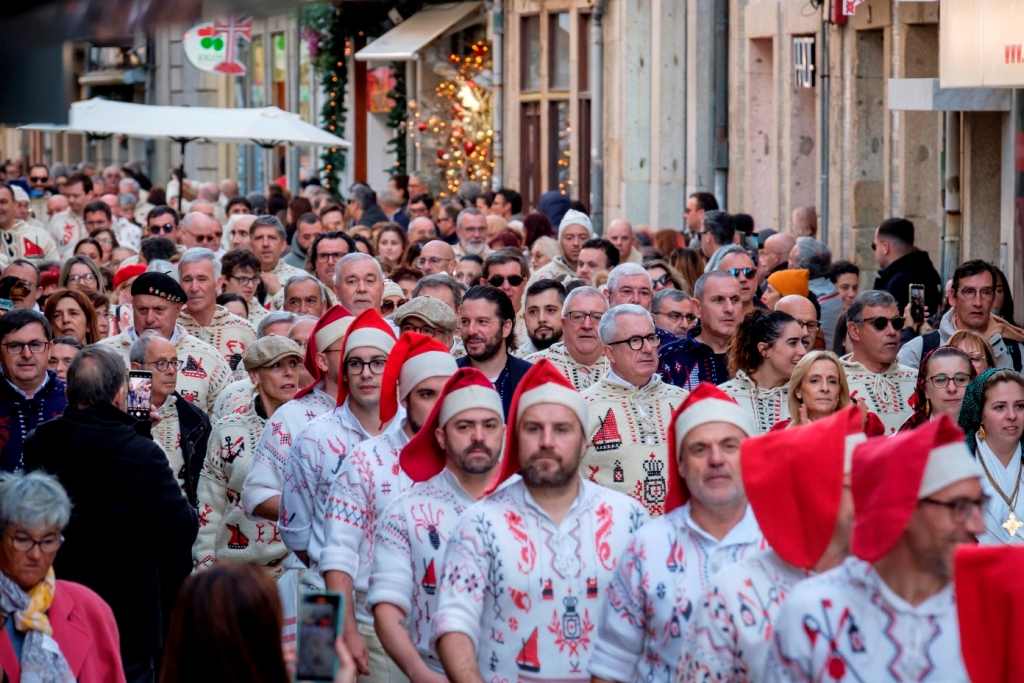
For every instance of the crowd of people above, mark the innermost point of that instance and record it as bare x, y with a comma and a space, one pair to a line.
518, 449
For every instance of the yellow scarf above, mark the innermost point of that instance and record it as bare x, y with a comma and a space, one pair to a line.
33, 617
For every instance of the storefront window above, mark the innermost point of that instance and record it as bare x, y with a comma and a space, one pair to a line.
279, 64
531, 54
559, 148
558, 37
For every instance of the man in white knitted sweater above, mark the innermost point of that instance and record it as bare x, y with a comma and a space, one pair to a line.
872, 371
580, 354
630, 410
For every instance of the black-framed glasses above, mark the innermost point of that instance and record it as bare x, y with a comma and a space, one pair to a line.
577, 317
165, 228
163, 365
325, 256
880, 322
747, 273
960, 508
636, 343
246, 281
87, 277
24, 544
354, 366
427, 330
499, 280
960, 379
811, 325
35, 346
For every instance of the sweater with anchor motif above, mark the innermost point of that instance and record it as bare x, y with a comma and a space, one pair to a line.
627, 446
227, 333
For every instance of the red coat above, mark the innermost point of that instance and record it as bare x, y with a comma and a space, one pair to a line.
84, 628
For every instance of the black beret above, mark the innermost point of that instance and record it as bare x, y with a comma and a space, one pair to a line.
158, 284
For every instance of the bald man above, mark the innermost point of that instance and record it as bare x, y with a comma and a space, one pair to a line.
774, 256
437, 257
620, 233
801, 308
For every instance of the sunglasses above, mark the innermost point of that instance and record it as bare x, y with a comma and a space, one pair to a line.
36, 179
747, 273
499, 280
389, 306
880, 322
663, 280
166, 228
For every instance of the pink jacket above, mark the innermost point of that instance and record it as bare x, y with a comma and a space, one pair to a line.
84, 627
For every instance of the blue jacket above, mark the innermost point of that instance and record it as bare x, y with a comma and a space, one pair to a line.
19, 416
687, 362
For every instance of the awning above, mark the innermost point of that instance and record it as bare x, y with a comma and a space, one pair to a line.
926, 94
266, 126
403, 42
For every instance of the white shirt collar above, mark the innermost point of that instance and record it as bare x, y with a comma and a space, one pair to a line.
612, 377
46, 378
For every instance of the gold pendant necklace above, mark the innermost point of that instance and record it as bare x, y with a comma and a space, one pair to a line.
1012, 524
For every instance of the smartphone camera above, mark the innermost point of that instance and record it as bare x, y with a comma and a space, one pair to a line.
319, 625
140, 393
917, 303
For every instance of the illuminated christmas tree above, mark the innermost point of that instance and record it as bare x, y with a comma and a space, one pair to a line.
458, 124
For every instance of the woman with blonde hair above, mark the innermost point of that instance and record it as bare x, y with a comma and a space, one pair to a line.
80, 272
977, 349
542, 251
818, 389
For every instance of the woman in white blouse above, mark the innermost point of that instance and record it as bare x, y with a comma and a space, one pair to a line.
765, 350
992, 417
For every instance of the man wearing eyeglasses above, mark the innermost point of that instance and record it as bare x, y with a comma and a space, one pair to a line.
200, 230
323, 255
872, 371
737, 263
21, 240
580, 354
319, 449
673, 311
157, 300
67, 227
39, 191
436, 257
30, 393
183, 430
240, 274
630, 408
888, 613
971, 298
429, 315
471, 228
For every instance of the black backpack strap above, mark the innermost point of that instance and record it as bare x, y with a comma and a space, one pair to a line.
929, 342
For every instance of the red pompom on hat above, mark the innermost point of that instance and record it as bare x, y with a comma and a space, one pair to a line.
794, 482
891, 474
368, 330
414, 358
990, 606
542, 383
423, 458
331, 327
706, 403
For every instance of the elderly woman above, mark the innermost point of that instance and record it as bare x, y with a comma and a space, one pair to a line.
273, 364
992, 417
52, 631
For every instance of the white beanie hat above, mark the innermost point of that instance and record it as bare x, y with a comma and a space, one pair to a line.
574, 217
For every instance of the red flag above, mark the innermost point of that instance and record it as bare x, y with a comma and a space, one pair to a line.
30, 248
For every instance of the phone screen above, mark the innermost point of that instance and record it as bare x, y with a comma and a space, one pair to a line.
319, 625
140, 393
917, 303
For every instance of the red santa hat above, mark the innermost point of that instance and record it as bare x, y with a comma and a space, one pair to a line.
423, 458
706, 403
990, 606
367, 330
414, 358
542, 383
794, 482
891, 474
331, 327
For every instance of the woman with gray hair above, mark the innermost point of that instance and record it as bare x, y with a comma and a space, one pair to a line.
52, 631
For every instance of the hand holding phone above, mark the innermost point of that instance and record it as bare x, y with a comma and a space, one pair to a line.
917, 303
319, 625
140, 393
